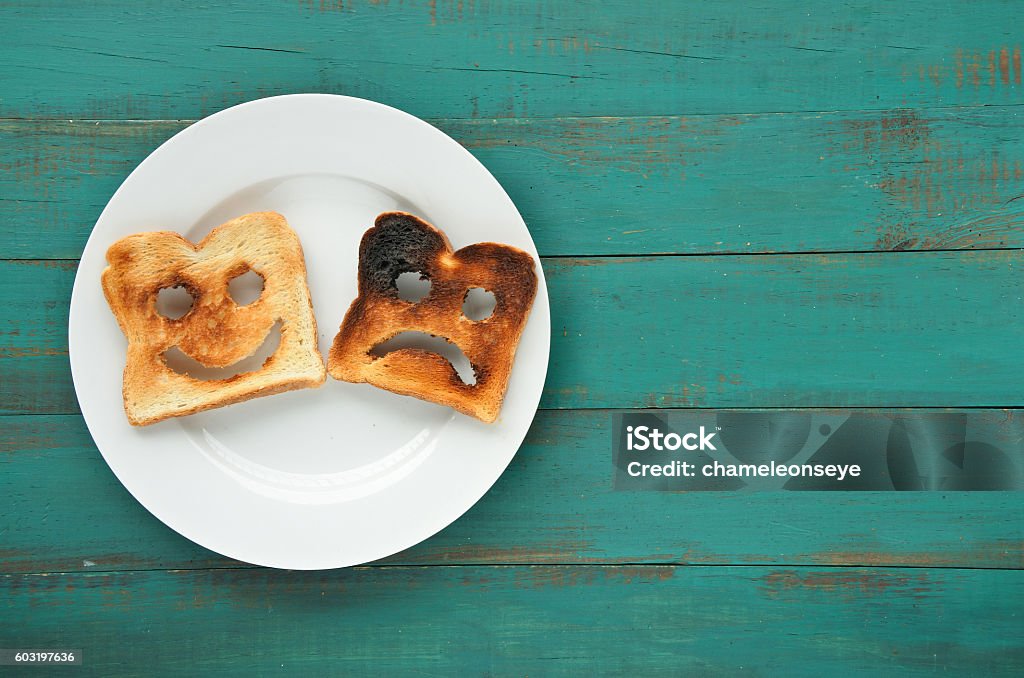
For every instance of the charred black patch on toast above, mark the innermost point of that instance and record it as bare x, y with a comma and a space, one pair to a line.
398, 243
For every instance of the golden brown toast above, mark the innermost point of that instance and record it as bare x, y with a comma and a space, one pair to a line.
216, 331
400, 243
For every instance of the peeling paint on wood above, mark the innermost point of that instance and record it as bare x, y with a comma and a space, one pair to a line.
1005, 553
848, 583
975, 68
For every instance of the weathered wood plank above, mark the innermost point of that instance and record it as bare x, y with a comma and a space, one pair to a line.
555, 504
869, 180
891, 329
492, 59
920, 329
527, 621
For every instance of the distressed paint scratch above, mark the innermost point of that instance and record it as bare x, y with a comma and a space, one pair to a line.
848, 583
978, 68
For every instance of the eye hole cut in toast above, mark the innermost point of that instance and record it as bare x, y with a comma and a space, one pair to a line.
477, 305
213, 323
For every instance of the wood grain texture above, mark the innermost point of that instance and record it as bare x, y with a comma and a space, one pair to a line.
886, 330
860, 181
555, 504
611, 620
490, 58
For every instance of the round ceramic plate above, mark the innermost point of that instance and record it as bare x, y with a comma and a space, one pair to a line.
316, 478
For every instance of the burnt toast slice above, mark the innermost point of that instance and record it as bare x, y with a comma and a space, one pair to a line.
403, 243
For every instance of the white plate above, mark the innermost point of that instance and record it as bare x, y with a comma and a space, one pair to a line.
326, 477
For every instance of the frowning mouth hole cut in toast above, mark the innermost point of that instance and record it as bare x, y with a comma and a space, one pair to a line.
182, 363
433, 344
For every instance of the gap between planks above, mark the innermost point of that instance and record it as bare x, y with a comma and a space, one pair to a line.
433, 566
691, 255
752, 408
525, 118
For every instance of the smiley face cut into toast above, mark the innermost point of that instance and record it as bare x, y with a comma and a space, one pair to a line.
216, 332
402, 243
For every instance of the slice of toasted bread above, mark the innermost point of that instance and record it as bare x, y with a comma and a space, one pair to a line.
216, 332
400, 243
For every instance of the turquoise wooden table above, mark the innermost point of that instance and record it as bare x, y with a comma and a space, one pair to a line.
789, 206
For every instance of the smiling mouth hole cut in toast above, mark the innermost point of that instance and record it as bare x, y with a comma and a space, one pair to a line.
486, 331
196, 339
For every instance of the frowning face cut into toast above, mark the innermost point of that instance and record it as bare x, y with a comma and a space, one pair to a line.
193, 358
369, 347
